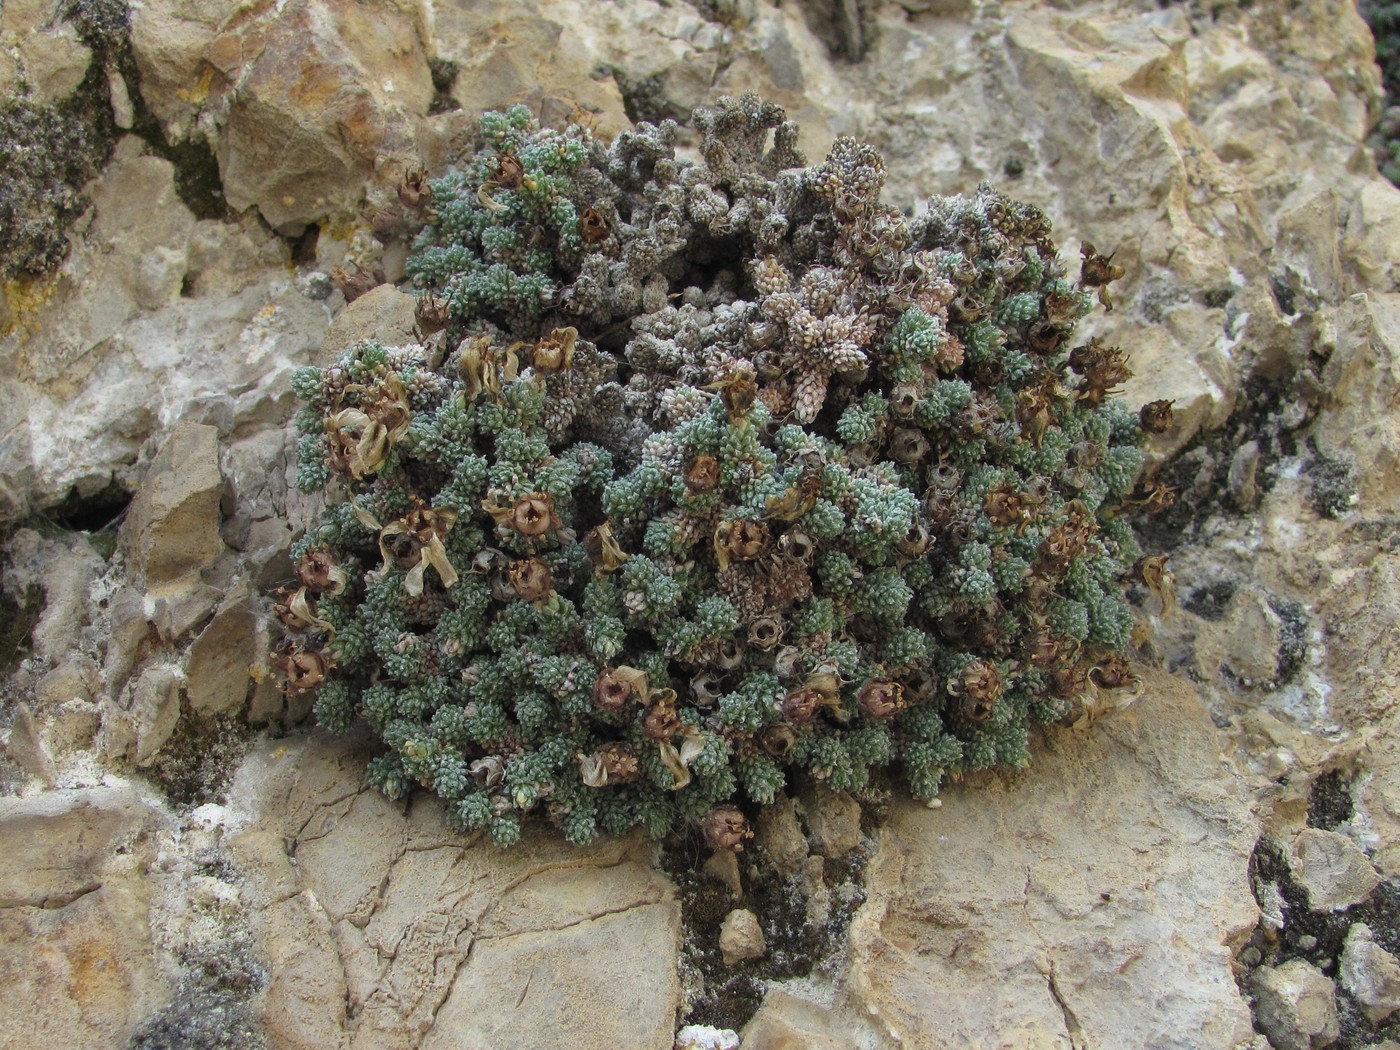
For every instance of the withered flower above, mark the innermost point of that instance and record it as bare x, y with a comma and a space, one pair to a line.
1033, 406
738, 390
904, 398
662, 720
1156, 417
1007, 506
489, 772
799, 705
297, 611
413, 190
778, 741
740, 539
1097, 271
432, 315
797, 545
532, 579
1103, 368
613, 763
486, 367
1043, 337
1047, 652
506, 170
363, 436
306, 669
1160, 496
726, 828
318, 571
414, 542
1067, 682
555, 352
592, 227
908, 446
1152, 570
603, 550
1061, 307
1112, 672
765, 632
705, 689
615, 687
881, 699
799, 498
702, 474
979, 687
530, 515
916, 541
353, 284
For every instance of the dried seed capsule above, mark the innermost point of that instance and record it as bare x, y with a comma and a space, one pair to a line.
726, 828
662, 721
979, 686
1156, 417
533, 515
702, 474
615, 687
306, 670
799, 705
881, 699
532, 579
778, 741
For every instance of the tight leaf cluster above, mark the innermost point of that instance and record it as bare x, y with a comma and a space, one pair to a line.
725, 472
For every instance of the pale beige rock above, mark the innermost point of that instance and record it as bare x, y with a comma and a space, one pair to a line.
529, 53
219, 671
1034, 911
780, 835
136, 729
317, 94
1370, 973
53, 58
168, 40
64, 569
172, 529
741, 937
26, 748
1332, 869
438, 939
833, 820
787, 1022
384, 314
1296, 1006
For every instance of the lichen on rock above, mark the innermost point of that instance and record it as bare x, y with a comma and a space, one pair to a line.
716, 471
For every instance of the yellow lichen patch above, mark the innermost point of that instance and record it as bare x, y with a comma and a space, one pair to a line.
24, 299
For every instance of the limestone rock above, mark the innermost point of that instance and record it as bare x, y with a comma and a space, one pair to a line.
1370, 973
384, 314
706, 1037
316, 94
787, 1022
833, 818
64, 569
780, 836
76, 957
1001, 920
25, 747
136, 729
1296, 1006
439, 939
172, 529
52, 57
741, 937
222, 657
1332, 869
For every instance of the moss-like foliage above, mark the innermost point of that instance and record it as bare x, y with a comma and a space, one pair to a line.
727, 470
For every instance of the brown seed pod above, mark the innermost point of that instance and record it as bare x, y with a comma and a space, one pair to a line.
881, 699
1112, 672
615, 687
740, 539
778, 740
702, 474
534, 515
1097, 271
1043, 337
738, 390
555, 352
662, 721
726, 828
1156, 417
592, 227
603, 550
506, 170
618, 762
532, 579
799, 705
318, 571
306, 670
353, 284
765, 632
1005, 505
979, 688
797, 545
413, 190
432, 315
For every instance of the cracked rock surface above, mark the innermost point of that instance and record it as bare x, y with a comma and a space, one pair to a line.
185, 861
